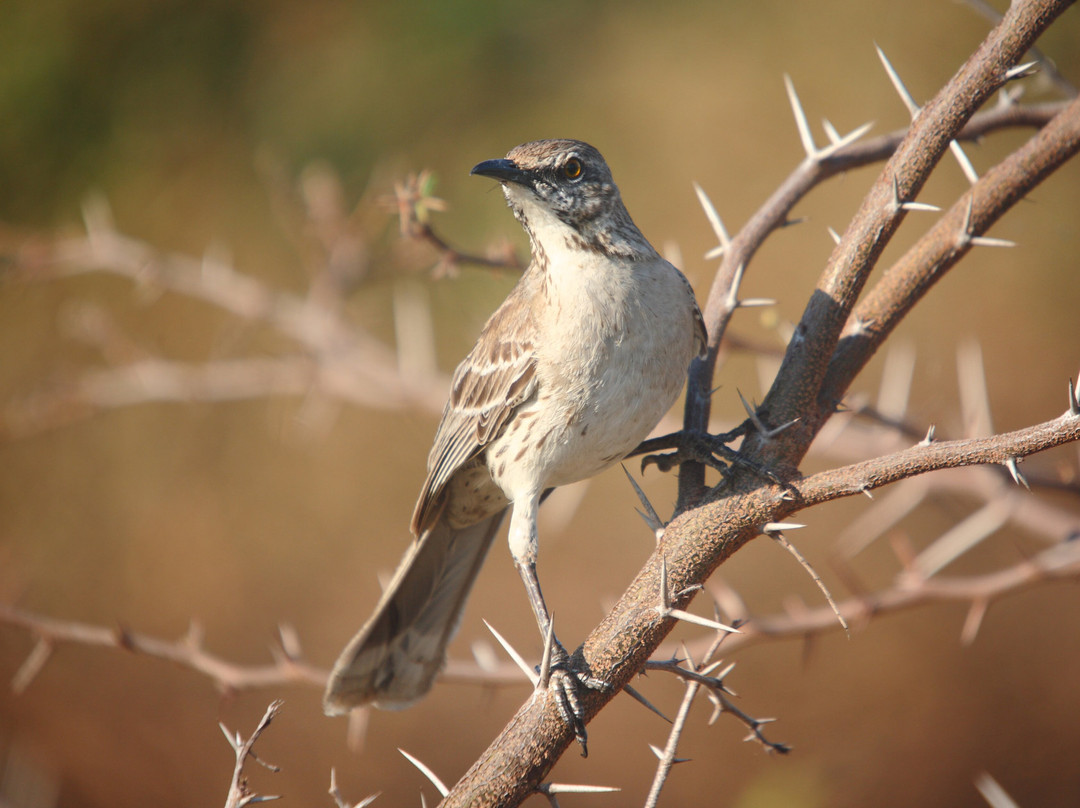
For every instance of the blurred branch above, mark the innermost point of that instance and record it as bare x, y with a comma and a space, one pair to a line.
340, 358
239, 793
413, 204
187, 652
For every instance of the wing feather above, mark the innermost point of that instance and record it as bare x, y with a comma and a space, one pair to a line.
497, 376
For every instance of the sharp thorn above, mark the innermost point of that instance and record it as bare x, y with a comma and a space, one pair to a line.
985, 241
571, 788
1021, 71
805, 137
830, 131
687, 617
652, 519
634, 694
1017, 475
428, 773
751, 411
779, 527
545, 661
714, 218
791, 548
894, 77
920, 206
514, 655
965, 164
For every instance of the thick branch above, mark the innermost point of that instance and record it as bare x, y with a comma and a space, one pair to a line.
794, 393
693, 545
774, 213
942, 247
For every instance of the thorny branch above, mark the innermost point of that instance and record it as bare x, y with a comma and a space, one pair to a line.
840, 330
240, 794
696, 542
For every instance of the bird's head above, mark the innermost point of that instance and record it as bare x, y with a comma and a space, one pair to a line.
565, 186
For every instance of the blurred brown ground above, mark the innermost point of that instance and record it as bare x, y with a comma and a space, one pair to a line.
233, 515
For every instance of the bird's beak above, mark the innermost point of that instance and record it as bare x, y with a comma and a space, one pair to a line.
502, 170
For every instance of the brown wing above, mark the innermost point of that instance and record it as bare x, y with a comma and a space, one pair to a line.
497, 376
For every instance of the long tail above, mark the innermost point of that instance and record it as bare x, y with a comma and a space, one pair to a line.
395, 657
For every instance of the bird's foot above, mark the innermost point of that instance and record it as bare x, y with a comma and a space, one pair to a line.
565, 677
702, 447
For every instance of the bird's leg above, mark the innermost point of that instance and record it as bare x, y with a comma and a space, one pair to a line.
700, 447
567, 674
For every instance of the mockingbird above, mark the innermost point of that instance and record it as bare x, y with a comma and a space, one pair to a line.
569, 375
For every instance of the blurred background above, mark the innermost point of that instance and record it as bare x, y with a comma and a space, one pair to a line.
224, 128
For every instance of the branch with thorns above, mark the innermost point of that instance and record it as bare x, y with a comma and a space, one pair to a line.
841, 329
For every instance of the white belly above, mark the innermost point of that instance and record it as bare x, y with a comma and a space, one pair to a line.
603, 384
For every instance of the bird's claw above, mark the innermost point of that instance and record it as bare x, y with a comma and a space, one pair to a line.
709, 450
567, 676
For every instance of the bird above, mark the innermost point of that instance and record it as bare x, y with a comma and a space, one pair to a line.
574, 369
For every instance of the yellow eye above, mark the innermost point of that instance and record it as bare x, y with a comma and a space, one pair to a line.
573, 169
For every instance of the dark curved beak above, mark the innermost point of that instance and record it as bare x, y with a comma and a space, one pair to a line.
502, 170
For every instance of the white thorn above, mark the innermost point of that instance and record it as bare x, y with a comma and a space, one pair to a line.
854, 134
965, 164
985, 241
570, 788
801, 123
714, 218
777, 527
687, 617
514, 655
1017, 475
834, 235
731, 300
830, 131
894, 77
993, 793
428, 773
846, 140
1021, 71
920, 206
756, 302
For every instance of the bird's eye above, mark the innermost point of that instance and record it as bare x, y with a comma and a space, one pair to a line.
573, 169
